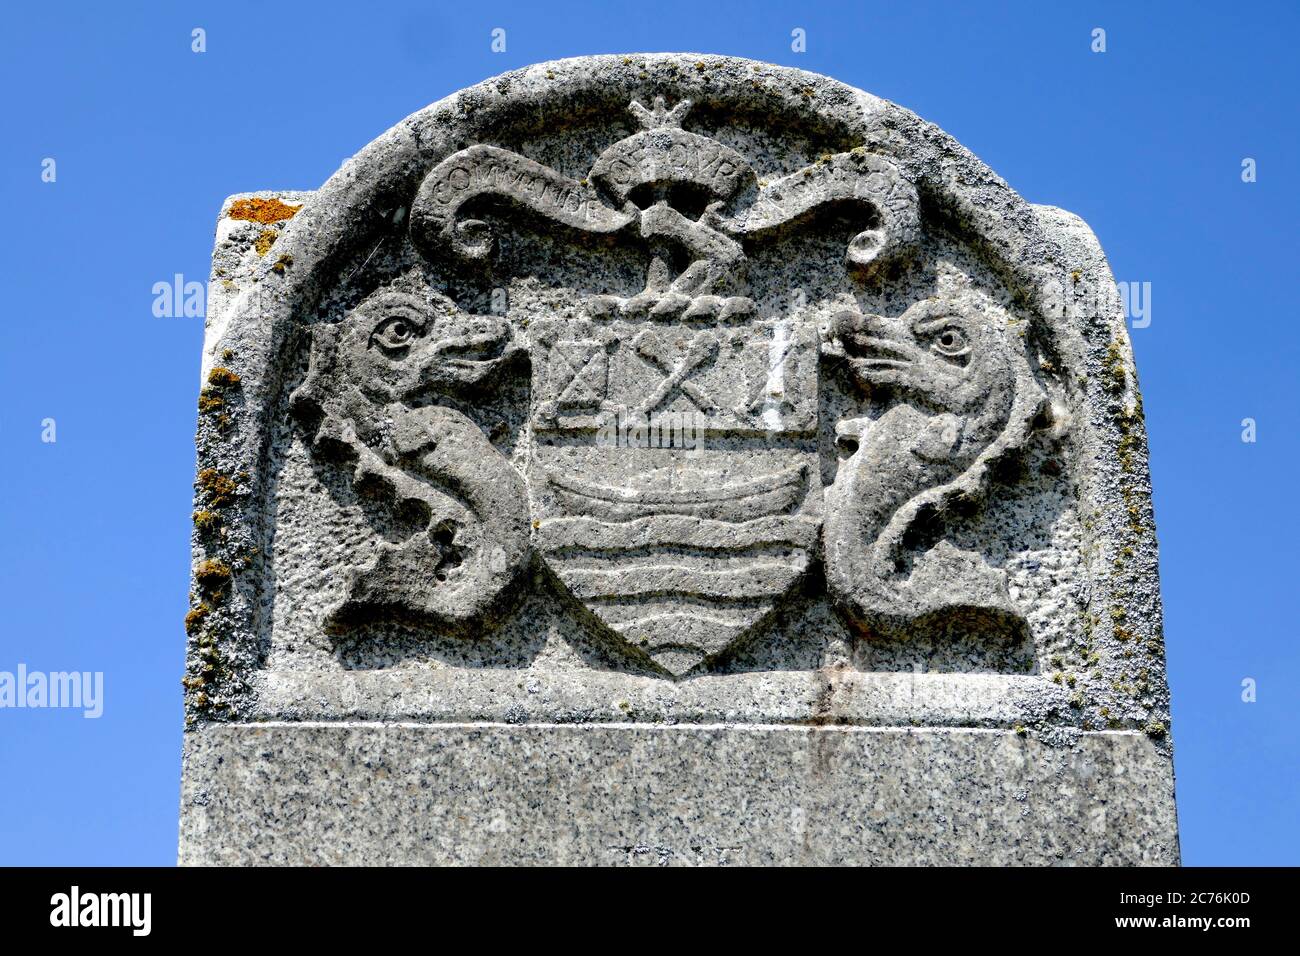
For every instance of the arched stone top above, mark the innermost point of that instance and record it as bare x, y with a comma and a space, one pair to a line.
918, 439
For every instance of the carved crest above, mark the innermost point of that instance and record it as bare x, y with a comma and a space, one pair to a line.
671, 464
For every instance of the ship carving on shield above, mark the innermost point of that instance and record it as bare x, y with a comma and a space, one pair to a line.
681, 562
671, 459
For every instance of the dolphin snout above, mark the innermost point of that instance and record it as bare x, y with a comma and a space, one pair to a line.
874, 338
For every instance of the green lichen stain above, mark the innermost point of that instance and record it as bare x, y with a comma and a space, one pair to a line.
1116, 377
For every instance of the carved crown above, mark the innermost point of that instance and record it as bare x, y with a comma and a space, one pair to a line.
664, 154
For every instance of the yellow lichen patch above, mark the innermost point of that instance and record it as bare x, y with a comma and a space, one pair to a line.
209, 402
218, 489
222, 377
195, 618
212, 574
1116, 376
265, 211
265, 239
206, 521
281, 264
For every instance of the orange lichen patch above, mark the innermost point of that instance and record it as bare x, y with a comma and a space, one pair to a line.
265, 239
265, 211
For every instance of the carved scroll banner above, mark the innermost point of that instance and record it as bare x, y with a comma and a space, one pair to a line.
488, 171
858, 178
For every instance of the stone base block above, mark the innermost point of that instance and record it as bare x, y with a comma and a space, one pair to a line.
388, 793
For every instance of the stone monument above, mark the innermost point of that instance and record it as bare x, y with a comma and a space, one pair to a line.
670, 459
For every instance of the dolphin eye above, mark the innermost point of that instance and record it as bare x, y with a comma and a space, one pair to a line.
951, 342
395, 332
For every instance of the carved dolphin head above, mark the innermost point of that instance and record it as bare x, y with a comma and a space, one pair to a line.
400, 347
945, 353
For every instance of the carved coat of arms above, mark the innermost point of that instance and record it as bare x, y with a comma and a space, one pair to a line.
679, 470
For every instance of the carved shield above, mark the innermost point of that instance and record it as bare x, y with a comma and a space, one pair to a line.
676, 487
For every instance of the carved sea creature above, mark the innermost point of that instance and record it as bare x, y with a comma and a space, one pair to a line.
379, 397
960, 396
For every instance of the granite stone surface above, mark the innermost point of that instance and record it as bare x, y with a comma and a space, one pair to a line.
714, 794
709, 436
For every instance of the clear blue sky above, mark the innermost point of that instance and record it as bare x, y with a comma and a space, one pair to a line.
1144, 141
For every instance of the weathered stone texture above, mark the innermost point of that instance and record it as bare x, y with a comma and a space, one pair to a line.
646, 439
